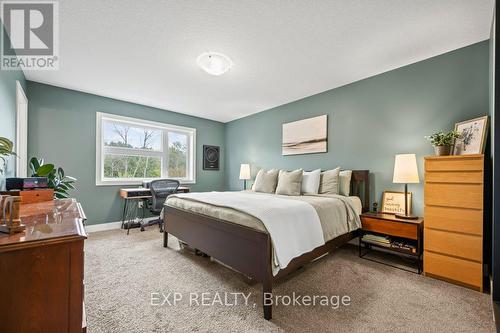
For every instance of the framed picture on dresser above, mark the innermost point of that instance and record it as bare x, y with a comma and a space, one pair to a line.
472, 136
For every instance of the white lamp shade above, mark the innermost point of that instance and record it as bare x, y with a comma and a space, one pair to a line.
245, 171
405, 169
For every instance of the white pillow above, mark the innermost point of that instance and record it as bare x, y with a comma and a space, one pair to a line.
345, 182
310, 181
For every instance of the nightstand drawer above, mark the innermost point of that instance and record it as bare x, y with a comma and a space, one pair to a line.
469, 221
449, 268
391, 228
450, 243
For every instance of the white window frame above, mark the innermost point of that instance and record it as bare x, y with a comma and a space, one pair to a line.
165, 128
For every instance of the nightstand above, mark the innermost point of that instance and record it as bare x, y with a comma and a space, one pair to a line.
399, 236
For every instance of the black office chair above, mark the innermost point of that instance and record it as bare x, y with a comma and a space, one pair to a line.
160, 190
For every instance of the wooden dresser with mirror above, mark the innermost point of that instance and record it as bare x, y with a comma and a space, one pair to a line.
41, 270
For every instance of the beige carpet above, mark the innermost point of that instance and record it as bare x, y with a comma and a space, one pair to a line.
121, 273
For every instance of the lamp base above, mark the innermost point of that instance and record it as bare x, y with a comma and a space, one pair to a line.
12, 229
406, 217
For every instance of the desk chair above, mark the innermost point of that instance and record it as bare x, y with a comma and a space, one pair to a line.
160, 190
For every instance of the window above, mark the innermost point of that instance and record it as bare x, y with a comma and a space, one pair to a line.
130, 150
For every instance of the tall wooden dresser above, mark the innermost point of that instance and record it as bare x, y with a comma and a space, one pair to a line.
453, 228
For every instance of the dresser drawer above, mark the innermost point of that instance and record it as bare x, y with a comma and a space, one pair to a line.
454, 195
459, 245
464, 271
461, 163
398, 229
467, 177
469, 221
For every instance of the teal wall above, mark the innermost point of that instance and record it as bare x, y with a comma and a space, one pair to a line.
62, 129
8, 109
371, 120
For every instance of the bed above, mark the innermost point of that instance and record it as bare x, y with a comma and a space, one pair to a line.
238, 240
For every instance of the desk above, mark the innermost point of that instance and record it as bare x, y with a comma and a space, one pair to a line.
135, 199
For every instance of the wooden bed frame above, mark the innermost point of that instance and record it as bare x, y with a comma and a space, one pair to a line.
248, 250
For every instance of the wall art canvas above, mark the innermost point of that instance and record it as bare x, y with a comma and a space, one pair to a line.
305, 136
472, 136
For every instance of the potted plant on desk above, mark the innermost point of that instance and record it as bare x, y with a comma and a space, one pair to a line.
57, 180
443, 142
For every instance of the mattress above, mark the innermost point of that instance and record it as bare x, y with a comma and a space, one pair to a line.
331, 209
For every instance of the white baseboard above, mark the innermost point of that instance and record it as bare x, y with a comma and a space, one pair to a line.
110, 225
103, 226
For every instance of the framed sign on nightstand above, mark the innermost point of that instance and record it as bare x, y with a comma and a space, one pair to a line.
394, 202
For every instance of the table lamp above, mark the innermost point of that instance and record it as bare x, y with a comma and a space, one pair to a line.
406, 172
245, 174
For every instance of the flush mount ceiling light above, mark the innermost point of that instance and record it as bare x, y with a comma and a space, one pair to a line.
214, 63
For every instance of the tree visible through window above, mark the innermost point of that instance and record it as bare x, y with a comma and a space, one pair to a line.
131, 166
135, 150
116, 166
177, 155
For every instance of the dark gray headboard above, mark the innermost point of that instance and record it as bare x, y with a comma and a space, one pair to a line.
360, 186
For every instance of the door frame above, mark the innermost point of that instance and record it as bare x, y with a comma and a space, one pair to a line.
21, 131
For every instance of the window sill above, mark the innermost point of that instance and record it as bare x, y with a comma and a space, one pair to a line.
136, 183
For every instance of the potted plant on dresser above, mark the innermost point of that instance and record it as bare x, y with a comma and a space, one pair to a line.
443, 142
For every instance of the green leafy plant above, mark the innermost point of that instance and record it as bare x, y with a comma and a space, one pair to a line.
6, 149
443, 139
57, 180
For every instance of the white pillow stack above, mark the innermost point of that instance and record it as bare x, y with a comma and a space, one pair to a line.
311, 182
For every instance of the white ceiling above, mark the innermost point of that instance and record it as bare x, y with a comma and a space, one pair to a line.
145, 51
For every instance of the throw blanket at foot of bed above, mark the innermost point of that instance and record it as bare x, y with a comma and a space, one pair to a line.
293, 225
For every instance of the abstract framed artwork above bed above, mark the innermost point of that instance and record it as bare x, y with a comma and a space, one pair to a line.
306, 136
249, 250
